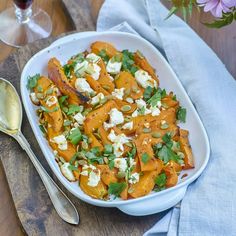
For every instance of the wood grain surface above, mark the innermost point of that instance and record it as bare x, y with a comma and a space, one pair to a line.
223, 43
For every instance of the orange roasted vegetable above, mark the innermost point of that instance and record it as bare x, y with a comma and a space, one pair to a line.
109, 49
107, 175
186, 149
57, 75
172, 177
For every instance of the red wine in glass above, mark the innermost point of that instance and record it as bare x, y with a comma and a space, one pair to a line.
23, 4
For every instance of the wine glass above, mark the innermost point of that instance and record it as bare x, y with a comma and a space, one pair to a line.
20, 25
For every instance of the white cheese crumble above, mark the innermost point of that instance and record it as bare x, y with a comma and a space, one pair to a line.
118, 142
79, 118
113, 67
97, 99
134, 178
51, 100
144, 79
34, 99
116, 118
84, 173
118, 93
141, 105
155, 111
82, 85
81, 67
128, 125
94, 178
121, 164
94, 71
61, 141
67, 172
92, 57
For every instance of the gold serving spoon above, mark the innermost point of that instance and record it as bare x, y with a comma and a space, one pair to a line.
10, 123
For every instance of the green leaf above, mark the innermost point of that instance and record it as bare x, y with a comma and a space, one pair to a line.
75, 136
73, 168
184, 12
167, 139
32, 81
226, 19
166, 154
111, 164
181, 114
104, 55
45, 109
145, 158
128, 62
74, 109
73, 158
116, 188
108, 149
62, 100
160, 180
42, 129
172, 11
95, 150
155, 98
147, 93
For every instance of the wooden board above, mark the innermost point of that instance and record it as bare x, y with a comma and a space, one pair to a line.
31, 200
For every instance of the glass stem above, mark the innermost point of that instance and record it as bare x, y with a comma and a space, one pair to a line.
23, 16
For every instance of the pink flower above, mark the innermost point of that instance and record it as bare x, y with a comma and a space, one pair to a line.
216, 7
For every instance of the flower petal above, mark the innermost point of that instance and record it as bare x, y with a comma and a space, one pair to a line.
210, 5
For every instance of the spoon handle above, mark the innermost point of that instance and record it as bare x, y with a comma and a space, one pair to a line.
64, 207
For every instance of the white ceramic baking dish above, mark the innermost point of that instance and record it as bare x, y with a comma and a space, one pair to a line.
70, 45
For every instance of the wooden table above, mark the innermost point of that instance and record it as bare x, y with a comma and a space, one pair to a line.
222, 41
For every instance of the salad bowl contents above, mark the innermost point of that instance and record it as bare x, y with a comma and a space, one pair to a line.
111, 127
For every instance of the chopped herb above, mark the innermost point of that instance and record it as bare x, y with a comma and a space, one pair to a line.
133, 70
163, 93
174, 98
167, 139
73, 109
108, 149
181, 114
95, 150
67, 69
160, 180
75, 136
166, 154
111, 164
116, 188
147, 93
62, 100
42, 129
145, 158
104, 55
155, 98
141, 110
32, 81
128, 62
45, 109
73, 158
73, 168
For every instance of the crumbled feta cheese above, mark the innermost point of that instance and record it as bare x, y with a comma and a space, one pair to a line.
118, 93
79, 118
129, 100
67, 172
94, 178
94, 71
92, 57
81, 67
141, 104
155, 111
51, 100
118, 142
84, 173
116, 118
134, 178
132, 162
135, 113
34, 98
144, 79
121, 164
113, 67
128, 125
61, 141
83, 86
97, 99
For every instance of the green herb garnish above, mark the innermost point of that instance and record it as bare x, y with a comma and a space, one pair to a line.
147, 93
75, 136
116, 188
104, 55
32, 81
145, 158
160, 181
181, 114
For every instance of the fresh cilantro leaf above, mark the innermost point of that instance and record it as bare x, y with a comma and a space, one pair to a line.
174, 98
32, 81
75, 136
108, 149
104, 55
163, 93
145, 158
147, 93
42, 129
141, 110
73, 109
73, 168
111, 164
160, 180
181, 114
166, 154
167, 139
45, 109
155, 98
133, 69
62, 100
95, 150
116, 188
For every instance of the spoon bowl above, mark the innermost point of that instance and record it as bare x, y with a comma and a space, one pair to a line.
10, 123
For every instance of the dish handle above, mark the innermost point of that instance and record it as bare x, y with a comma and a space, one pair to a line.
155, 204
